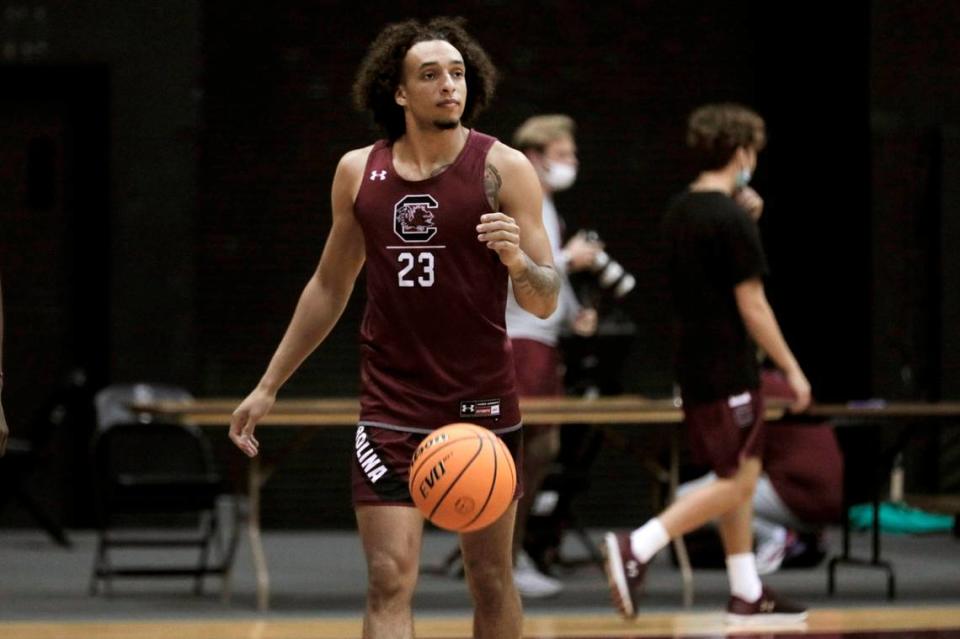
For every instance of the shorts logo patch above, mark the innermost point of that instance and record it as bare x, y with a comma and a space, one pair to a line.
741, 407
479, 408
735, 401
370, 463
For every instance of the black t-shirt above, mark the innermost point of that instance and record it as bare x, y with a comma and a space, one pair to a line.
713, 245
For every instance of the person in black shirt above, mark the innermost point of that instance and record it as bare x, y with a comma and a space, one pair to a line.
716, 270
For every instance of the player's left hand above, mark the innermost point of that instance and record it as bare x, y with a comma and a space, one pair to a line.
501, 233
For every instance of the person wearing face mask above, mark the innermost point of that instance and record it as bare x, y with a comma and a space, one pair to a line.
716, 268
548, 142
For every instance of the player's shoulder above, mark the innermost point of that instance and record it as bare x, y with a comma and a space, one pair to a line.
354, 161
513, 166
349, 173
517, 182
506, 157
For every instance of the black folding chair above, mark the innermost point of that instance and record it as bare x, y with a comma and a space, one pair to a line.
157, 488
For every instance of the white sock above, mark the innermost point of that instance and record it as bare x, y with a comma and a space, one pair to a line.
648, 539
744, 580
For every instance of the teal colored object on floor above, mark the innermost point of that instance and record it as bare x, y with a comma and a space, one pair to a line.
897, 518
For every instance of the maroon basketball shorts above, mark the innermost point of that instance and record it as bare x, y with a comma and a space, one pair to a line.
537, 367
381, 464
538, 370
723, 433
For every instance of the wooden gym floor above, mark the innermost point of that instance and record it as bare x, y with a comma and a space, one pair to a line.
941, 622
318, 588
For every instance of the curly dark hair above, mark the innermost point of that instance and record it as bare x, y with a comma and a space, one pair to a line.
715, 131
382, 70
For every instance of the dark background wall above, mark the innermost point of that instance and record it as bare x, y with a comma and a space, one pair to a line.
193, 163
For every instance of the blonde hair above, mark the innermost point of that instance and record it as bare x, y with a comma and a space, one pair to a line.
540, 130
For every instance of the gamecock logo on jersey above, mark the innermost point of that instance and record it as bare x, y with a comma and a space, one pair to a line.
413, 218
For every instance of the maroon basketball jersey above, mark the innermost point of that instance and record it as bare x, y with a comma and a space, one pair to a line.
433, 343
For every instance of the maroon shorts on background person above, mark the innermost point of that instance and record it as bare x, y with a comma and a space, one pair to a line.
538, 370
538, 373
722, 433
381, 464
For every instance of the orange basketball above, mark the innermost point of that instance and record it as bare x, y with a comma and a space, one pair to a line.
462, 477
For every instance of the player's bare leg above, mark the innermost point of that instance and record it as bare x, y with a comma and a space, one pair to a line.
736, 528
391, 537
712, 501
488, 563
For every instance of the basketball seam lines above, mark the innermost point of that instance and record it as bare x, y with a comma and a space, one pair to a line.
457, 478
493, 449
423, 461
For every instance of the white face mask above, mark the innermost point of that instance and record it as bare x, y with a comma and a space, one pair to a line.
560, 175
743, 177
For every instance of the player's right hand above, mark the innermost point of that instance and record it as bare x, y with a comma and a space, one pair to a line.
245, 417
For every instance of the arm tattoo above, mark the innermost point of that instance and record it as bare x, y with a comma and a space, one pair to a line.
536, 281
491, 186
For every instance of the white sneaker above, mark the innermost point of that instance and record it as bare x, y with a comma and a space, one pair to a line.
771, 551
532, 583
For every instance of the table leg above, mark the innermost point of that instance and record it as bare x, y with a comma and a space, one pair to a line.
683, 559
254, 483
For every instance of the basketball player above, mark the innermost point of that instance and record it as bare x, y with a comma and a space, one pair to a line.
716, 269
4, 429
443, 216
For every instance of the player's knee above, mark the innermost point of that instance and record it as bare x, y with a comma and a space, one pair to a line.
728, 492
389, 579
734, 491
489, 582
744, 491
